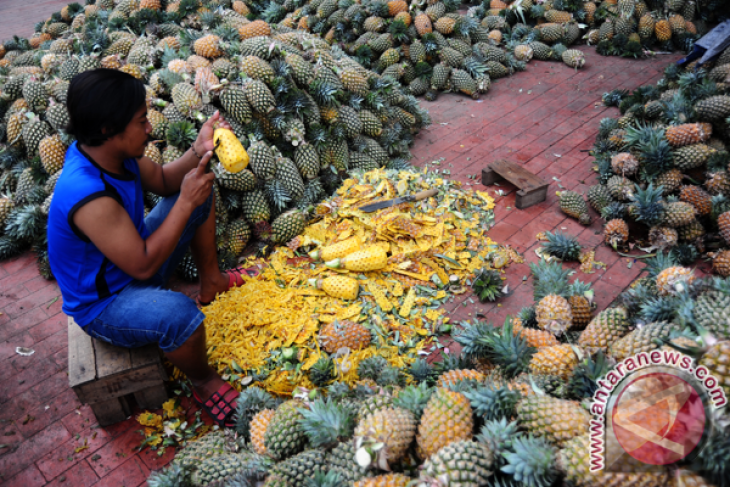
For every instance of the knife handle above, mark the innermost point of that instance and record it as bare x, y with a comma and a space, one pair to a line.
425, 194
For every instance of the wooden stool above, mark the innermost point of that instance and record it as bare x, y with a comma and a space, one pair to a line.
105, 377
532, 189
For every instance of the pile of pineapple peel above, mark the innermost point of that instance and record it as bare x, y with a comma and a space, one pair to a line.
266, 331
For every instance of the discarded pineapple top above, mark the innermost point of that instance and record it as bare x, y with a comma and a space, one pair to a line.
427, 242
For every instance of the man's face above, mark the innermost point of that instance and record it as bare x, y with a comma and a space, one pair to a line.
133, 140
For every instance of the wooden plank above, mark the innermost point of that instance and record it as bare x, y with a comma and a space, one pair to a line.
532, 189
111, 360
519, 176
147, 355
152, 397
121, 384
81, 357
111, 411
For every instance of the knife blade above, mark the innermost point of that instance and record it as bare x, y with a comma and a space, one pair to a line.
396, 201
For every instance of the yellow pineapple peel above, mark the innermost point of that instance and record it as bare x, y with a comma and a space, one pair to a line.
393, 253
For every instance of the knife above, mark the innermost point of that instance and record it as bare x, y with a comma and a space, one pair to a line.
405, 199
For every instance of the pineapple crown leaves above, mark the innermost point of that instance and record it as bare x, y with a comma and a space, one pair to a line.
562, 246
531, 461
655, 156
487, 285
584, 381
660, 308
684, 253
498, 435
324, 92
371, 367
326, 423
647, 204
322, 372
549, 278
614, 210
712, 464
25, 223
528, 316
420, 370
251, 401
399, 31
655, 265
330, 478
500, 346
614, 97
414, 399
181, 134
338, 391
171, 476
491, 402
390, 376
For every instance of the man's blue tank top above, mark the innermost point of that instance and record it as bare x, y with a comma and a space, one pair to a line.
88, 280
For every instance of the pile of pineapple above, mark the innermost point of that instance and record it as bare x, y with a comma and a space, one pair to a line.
510, 409
663, 167
430, 47
306, 112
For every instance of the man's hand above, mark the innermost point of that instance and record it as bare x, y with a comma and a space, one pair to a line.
197, 184
205, 142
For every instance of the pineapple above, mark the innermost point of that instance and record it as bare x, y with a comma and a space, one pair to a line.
556, 360
387, 480
692, 156
599, 197
453, 377
641, 340
574, 461
723, 222
580, 304
616, 232
391, 429
573, 205
688, 134
447, 418
259, 424
678, 214
663, 30
337, 250
287, 226
259, 96
284, 435
262, 160
554, 314
556, 420
712, 109
462, 463
574, 58
624, 164
673, 280
229, 150
604, 330
534, 338
52, 151
341, 287
344, 334
239, 234
697, 197
208, 46
369, 259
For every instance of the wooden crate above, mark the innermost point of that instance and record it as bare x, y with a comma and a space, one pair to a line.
532, 189
107, 378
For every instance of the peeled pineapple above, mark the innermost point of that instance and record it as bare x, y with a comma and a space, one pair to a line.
369, 259
229, 150
342, 287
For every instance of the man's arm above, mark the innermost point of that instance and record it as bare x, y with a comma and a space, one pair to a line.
108, 225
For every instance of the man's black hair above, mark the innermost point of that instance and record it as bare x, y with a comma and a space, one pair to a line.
101, 103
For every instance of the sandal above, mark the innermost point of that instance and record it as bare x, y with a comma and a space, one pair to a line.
218, 407
235, 279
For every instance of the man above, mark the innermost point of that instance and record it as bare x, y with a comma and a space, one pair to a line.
109, 260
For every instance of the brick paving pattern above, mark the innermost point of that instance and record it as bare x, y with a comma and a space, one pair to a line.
544, 119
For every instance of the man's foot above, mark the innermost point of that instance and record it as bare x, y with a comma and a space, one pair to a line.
228, 279
217, 398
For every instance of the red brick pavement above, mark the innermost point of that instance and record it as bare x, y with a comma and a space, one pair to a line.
545, 119
18, 17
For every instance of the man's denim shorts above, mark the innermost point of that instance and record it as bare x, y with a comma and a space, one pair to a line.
144, 312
